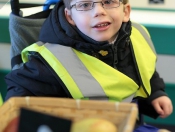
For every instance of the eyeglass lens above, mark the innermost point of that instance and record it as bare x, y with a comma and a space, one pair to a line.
88, 5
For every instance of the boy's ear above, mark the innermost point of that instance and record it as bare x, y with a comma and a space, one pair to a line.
69, 17
127, 10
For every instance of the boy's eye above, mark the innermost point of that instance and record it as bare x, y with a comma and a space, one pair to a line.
108, 2
84, 5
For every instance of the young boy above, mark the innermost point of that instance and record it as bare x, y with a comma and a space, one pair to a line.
90, 49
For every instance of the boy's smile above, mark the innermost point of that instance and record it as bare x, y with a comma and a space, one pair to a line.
99, 23
102, 26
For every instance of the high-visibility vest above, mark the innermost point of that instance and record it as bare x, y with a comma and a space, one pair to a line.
87, 77
1, 100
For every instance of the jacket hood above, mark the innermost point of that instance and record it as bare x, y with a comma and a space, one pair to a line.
57, 30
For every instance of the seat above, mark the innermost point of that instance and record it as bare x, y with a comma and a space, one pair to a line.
19, 24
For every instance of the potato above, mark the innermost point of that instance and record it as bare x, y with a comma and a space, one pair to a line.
93, 125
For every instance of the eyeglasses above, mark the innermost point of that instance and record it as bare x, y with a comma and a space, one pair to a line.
89, 5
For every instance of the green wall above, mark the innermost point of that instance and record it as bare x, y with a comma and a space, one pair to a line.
4, 31
4, 38
2, 83
163, 38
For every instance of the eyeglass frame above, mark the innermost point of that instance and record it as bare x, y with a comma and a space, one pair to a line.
74, 5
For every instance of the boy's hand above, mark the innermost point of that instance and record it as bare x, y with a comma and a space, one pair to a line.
163, 106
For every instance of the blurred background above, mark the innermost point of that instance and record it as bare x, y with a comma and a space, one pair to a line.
158, 16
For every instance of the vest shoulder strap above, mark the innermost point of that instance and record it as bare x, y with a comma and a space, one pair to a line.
145, 34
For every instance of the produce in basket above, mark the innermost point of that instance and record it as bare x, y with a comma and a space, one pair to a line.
163, 130
93, 125
12, 126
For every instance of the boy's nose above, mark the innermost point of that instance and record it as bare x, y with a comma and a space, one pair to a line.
98, 9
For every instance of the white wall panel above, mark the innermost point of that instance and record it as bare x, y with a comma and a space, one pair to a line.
166, 68
168, 4
5, 56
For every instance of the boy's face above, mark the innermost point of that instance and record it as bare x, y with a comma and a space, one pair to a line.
99, 23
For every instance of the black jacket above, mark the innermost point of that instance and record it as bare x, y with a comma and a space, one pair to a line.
35, 79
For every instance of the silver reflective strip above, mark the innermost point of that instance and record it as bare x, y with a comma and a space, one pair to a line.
87, 84
99, 98
17, 66
129, 99
39, 43
146, 36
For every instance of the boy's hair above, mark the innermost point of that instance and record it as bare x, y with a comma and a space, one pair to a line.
67, 3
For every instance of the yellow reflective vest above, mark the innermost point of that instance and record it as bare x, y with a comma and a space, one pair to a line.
87, 77
1, 100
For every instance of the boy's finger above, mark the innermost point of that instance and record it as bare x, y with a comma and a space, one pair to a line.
158, 109
166, 110
171, 108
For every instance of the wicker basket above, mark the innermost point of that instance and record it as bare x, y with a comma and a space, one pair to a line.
122, 114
